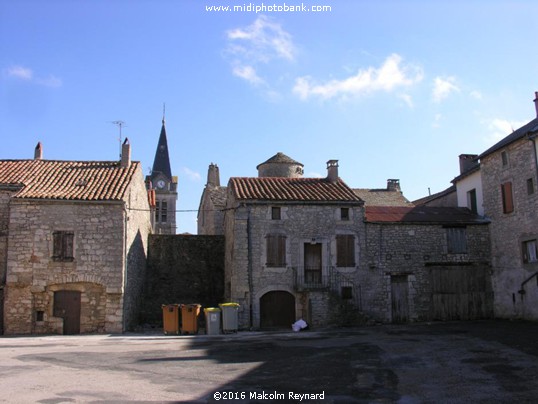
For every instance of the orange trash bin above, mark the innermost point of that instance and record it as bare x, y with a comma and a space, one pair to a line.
170, 318
189, 318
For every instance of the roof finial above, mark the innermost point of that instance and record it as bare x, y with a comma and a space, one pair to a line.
164, 112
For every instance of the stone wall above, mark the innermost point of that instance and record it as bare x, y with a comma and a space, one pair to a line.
4, 220
408, 249
182, 270
510, 230
33, 275
138, 229
249, 277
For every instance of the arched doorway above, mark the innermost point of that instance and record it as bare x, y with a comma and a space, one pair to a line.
277, 309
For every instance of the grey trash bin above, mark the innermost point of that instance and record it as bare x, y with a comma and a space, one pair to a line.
229, 317
212, 320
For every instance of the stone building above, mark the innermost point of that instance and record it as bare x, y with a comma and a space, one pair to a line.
73, 242
425, 263
212, 204
469, 184
509, 177
165, 185
292, 245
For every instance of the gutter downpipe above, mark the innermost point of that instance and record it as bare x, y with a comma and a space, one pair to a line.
249, 267
532, 138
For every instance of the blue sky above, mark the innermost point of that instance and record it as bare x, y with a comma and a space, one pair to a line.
392, 89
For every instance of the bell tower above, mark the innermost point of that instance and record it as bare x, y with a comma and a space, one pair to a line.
165, 186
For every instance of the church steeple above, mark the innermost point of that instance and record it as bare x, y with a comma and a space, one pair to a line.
161, 163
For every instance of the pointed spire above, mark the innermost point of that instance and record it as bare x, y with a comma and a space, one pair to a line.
161, 164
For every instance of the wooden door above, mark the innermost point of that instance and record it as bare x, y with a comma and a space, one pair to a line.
67, 306
461, 293
277, 310
400, 295
312, 263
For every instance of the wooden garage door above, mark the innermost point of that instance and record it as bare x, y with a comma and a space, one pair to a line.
277, 310
461, 293
67, 306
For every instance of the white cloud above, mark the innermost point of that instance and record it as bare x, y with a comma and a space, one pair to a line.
390, 75
191, 175
442, 87
27, 74
500, 128
437, 121
262, 41
407, 99
477, 95
20, 72
248, 73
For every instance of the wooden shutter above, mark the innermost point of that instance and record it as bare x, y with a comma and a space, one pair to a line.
457, 240
508, 201
345, 251
276, 250
57, 244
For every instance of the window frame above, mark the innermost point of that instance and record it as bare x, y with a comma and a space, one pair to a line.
276, 213
472, 203
526, 252
345, 214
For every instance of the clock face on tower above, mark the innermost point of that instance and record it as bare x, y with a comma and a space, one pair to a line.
161, 184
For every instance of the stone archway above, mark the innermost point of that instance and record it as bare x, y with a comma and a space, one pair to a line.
277, 309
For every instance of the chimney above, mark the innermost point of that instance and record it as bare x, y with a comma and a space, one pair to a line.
38, 152
125, 154
467, 161
213, 176
536, 102
332, 170
393, 185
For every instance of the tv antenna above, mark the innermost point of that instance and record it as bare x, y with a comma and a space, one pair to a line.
120, 125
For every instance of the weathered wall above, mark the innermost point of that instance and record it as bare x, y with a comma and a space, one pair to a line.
249, 277
407, 249
184, 270
33, 276
4, 220
138, 228
508, 231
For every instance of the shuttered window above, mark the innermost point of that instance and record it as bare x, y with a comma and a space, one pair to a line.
276, 250
345, 250
456, 240
63, 245
508, 201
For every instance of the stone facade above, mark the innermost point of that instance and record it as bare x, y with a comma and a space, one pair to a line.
514, 279
109, 244
412, 251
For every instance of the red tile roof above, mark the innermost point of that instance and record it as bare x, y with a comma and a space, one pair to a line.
421, 214
67, 180
292, 190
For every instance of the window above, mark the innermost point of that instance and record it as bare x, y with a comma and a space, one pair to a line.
508, 201
164, 211
344, 213
471, 201
504, 158
530, 186
345, 251
62, 245
275, 213
530, 252
347, 292
276, 250
456, 240
39, 315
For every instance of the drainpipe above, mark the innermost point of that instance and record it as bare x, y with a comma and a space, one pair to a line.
249, 267
125, 219
532, 138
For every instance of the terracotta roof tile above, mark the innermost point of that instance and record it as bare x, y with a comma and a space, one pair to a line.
421, 214
67, 180
292, 190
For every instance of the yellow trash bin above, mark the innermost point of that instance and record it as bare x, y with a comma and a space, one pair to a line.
170, 318
189, 318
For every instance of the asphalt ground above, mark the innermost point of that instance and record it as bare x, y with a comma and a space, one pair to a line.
467, 362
